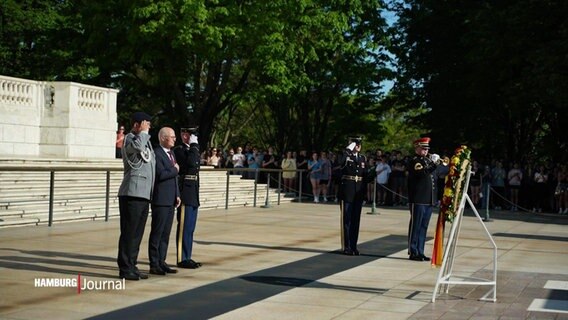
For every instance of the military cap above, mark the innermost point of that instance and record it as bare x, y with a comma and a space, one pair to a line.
357, 140
422, 142
192, 130
140, 116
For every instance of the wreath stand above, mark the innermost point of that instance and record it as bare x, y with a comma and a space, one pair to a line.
445, 276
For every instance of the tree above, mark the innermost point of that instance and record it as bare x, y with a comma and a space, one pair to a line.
491, 72
38, 40
194, 60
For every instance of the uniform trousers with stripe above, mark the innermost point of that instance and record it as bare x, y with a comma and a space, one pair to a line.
187, 220
350, 222
418, 227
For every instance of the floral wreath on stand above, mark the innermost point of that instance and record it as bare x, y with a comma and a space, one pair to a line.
453, 194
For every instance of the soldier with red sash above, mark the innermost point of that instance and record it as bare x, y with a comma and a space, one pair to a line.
421, 197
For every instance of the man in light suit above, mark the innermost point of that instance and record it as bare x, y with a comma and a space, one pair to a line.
134, 194
164, 201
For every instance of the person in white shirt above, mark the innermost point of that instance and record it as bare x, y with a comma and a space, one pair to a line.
383, 171
515, 176
238, 159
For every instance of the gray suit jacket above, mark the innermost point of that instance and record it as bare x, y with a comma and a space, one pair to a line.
139, 166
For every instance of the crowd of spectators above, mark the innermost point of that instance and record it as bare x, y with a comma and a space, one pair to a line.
541, 187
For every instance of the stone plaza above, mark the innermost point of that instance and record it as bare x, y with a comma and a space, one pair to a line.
282, 263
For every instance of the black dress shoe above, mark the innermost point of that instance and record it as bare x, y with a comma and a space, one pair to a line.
129, 276
142, 276
167, 269
198, 264
356, 252
348, 252
157, 271
425, 258
187, 264
415, 258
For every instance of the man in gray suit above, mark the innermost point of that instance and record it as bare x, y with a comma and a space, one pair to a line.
134, 194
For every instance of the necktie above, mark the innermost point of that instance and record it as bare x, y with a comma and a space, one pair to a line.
172, 158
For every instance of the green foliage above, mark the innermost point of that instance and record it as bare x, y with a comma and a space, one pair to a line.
490, 73
39, 39
298, 74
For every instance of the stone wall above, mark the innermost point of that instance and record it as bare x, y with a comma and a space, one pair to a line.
56, 119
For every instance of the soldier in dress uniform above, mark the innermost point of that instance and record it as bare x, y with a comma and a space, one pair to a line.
352, 191
421, 197
134, 194
188, 158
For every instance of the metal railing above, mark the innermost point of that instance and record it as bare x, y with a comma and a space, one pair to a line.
53, 168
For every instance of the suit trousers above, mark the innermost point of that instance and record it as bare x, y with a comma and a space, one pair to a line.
350, 222
187, 220
133, 216
162, 220
418, 227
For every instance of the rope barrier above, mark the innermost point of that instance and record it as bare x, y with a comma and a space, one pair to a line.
396, 194
520, 208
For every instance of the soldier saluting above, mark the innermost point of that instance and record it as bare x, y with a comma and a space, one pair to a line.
188, 158
352, 191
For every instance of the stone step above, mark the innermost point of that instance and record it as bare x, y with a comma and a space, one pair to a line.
12, 196
78, 207
81, 204
17, 222
58, 195
43, 206
80, 195
99, 214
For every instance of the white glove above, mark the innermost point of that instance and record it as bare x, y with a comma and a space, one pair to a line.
193, 139
351, 146
435, 157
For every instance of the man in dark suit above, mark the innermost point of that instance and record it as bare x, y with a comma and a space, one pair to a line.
187, 155
164, 201
134, 195
352, 191
421, 197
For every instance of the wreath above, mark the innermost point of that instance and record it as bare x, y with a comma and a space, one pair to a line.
453, 194
455, 183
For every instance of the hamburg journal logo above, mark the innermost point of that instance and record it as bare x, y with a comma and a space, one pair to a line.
80, 283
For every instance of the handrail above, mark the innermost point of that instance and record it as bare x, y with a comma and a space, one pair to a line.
53, 168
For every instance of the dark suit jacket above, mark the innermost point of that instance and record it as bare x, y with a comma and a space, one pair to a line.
166, 186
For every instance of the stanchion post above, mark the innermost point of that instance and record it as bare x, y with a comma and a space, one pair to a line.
487, 218
227, 191
266, 202
279, 186
107, 199
255, 186
51, 195
301, 174
374, 207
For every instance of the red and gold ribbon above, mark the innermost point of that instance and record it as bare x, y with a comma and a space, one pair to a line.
449, 205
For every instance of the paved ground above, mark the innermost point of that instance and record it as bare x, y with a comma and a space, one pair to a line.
280, 263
